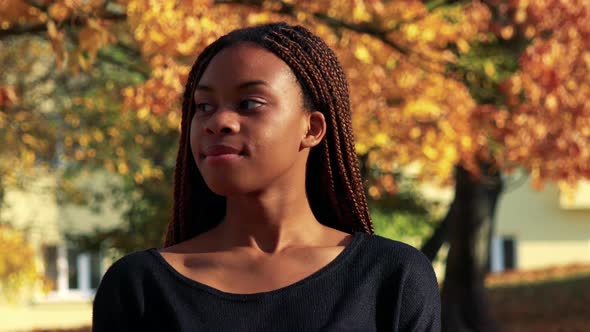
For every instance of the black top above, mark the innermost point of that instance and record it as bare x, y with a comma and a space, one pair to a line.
374, 284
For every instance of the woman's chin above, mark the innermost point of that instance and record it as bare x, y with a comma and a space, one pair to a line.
226, 188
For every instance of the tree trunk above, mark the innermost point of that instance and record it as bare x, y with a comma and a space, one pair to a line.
464, 305
439, 236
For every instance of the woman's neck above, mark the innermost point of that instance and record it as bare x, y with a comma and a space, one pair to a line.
269, 222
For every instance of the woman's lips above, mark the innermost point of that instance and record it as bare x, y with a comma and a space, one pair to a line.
221, 153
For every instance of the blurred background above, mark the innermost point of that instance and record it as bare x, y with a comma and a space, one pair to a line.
471, 119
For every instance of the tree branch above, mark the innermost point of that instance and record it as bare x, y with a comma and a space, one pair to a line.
129, 67
379, 34
286, 9
22, 30
74, 21
432, 246
34, 4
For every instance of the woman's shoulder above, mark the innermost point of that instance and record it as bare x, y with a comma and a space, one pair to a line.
121, 293
409, 274
409, 267
393, 253
136, 259
388, 246
131, 267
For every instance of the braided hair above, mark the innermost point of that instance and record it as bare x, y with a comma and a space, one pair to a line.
333, 180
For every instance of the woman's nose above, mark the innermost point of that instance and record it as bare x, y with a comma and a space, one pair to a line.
223, 121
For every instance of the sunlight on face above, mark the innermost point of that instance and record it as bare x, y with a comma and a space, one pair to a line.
249, 122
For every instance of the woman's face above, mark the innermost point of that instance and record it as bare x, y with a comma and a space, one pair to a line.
249, 124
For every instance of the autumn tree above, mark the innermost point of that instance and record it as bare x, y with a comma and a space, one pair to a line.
18, 273
464, 90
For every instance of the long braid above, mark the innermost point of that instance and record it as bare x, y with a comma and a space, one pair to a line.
299, 60
185, 207
334, 184
337, 99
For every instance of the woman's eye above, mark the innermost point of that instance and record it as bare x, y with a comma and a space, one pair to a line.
204, 107
249, 104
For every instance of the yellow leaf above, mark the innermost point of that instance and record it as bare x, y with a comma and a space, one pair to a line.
466, 142
551, 102
412, 31
381, 139
27, 156
52, 30
507, 32
360, 148
489, 68
415, 132
430, 152
428, 35
122, 168
374, 192
259, 18
463, 46
422, 109
58, 11
143, 112
84, 64
28, 139
138, 177
84, 140
207, 24
359, 13
92, 38
362, 53
187, 46
156, 36
98, 136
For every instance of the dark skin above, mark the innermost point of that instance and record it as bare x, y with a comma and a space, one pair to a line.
250, 138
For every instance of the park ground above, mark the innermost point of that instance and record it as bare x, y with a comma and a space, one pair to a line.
553, 299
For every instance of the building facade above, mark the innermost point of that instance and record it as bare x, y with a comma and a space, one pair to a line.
540, 229
73, 273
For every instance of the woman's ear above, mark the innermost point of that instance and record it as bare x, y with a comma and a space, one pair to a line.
315, 131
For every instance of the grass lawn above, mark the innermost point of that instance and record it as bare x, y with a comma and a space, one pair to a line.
555, 299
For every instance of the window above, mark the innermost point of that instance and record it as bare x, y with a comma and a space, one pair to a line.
509, 252
95, 269
50, 260
73, 272
503, 255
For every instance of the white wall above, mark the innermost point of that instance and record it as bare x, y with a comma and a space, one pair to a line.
33, 209
546, 233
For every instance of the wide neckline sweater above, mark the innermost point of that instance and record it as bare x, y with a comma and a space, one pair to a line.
373, 284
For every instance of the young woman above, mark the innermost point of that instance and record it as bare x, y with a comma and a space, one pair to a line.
270, 228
